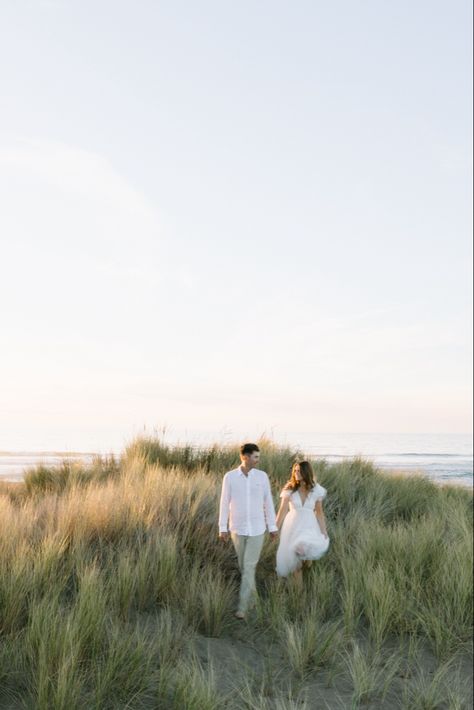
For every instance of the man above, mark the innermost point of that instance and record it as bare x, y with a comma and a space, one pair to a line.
246, 496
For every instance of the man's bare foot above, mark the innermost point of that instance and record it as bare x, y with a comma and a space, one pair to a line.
240, 615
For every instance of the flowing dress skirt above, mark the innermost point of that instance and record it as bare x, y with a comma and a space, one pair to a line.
300, 539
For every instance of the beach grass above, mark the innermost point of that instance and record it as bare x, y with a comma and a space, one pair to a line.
116, 593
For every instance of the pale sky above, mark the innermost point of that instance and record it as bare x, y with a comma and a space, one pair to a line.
233, 216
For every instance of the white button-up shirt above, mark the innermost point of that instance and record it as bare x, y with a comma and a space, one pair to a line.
248, 501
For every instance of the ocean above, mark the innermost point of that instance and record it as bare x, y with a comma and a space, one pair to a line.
442, 457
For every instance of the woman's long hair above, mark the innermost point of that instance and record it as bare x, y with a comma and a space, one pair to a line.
307, 475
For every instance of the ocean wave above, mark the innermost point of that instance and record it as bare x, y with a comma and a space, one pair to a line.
427, 454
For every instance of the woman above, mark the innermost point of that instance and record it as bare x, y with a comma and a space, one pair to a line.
303, 534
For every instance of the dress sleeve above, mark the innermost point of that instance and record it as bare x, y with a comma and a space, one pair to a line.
320, 492
285, 493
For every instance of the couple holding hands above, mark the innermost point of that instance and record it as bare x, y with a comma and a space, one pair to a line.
247, 510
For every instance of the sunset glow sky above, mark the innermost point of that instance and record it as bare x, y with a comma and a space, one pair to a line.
233, 216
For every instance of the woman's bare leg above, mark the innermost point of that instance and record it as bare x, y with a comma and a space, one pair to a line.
298, 577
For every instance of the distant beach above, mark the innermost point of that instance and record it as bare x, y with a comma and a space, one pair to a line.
442, 457
13, 464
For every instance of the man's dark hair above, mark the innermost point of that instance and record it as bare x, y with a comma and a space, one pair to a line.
248, 449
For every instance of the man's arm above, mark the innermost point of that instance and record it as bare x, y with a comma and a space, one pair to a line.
224, 506
269, 508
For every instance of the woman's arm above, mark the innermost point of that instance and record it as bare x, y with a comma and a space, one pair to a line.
319, 512
282, 511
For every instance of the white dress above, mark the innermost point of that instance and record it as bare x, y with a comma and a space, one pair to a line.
300, 537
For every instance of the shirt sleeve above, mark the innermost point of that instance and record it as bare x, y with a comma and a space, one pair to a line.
269, 508
320, 492
224, 505
286, 493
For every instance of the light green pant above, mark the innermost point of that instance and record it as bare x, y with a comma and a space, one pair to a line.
248, 549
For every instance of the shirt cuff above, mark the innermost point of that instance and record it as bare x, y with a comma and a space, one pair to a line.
221, 529
273, 528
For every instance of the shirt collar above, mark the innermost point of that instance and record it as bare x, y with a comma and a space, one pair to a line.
239, 469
